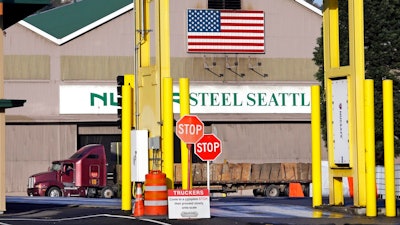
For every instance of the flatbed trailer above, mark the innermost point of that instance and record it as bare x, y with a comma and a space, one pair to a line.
265, 179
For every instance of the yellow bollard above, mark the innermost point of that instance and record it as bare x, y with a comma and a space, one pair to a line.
388, 143
316, 145
126, 192
370, 148
167, 132
185, 153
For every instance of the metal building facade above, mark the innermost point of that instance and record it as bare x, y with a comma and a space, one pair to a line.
37, 68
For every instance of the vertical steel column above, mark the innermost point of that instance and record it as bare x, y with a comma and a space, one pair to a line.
331, 63
164, 64
126, 186
388, 145
185, 153
168, 132
370, 148
356, 45
316, 145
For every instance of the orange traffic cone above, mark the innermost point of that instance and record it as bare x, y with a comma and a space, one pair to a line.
295, 190
139, 202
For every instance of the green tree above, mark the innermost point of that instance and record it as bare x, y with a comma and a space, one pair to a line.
382, 60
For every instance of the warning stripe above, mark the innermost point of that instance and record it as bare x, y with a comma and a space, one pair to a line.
156, 188
155, 202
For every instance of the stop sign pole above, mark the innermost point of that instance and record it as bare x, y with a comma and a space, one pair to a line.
208, 148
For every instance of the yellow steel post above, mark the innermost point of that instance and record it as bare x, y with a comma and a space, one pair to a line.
331, 34
356, 36
163, 62
168, 132
331, 62
370, 148
142, 25
185, 153
126, 187
148, 81
164, 38
316, 145
388, 143
337, 187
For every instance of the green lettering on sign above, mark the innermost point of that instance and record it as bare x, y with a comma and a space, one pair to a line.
235, 100
251, 101
261, 99
303, 100
101, 97
273, 100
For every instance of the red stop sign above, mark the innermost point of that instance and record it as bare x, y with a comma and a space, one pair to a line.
208, 147
189, 129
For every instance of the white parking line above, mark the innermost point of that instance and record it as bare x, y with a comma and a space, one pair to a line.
80, 218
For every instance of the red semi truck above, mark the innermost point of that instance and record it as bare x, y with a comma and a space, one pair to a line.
84, 174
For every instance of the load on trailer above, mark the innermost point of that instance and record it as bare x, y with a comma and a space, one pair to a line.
84, 174
264, 179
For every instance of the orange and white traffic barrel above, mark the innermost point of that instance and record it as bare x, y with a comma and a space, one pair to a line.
155, 195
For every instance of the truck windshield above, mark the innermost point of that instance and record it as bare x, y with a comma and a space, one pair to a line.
55, 167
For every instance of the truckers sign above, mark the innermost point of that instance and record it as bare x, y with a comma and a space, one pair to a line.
208, 147
189, 129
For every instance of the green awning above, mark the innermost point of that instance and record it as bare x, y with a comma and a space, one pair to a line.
64, 23
11, 103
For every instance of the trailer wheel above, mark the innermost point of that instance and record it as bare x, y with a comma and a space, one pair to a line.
258, 192
272, 191
54, 192
107, 192
306, 189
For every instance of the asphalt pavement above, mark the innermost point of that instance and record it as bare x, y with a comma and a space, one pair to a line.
224, 211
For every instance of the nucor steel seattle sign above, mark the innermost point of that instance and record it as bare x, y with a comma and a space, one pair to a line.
246, 99
92, 99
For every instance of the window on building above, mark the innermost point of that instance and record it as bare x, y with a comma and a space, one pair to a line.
224, 4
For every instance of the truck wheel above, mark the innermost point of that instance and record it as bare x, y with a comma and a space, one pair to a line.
54, 192
91, 192
107, 192
272, 191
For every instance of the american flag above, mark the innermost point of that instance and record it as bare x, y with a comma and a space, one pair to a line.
225, 31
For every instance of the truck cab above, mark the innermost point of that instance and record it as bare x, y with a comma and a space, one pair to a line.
84, 174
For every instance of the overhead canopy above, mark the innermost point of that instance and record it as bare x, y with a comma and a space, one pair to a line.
11, 103
16, 10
